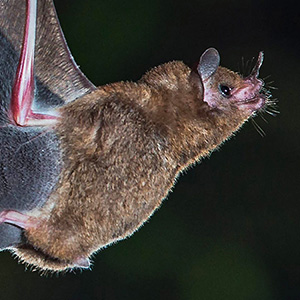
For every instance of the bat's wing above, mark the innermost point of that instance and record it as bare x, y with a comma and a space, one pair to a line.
30, 164
58, 78
30, 157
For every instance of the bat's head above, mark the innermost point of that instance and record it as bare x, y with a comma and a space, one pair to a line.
225, 90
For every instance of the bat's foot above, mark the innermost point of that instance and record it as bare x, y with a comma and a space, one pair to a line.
18, 219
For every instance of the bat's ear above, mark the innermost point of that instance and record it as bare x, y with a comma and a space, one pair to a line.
208, 63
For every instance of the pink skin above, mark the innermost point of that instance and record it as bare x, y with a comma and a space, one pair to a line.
245, 97
21, 113
18, 219
248, 97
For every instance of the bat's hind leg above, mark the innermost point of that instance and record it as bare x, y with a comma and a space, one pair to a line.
21, 112
18, 219
32, 223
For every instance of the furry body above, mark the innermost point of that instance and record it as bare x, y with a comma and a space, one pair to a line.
123, 146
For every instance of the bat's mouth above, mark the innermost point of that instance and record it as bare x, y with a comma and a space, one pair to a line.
253, 104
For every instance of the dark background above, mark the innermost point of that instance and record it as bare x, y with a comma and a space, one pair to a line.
231, 227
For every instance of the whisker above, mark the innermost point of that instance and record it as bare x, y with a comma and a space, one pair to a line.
273, 114
243, 64
250, 65
246, 67
273, 101
263, 118
239, 68
269, 82
264, 79
258, 128
272, 87
273, 110
272, 107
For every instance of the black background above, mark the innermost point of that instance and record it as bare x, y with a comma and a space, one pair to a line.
230, 229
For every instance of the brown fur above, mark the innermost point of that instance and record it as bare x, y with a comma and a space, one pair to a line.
123, 147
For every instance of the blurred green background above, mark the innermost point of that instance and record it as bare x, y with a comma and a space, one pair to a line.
231, 228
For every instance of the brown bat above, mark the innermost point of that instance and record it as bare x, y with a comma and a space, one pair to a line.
83, 167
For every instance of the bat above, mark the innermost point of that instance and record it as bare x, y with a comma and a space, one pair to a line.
83, 167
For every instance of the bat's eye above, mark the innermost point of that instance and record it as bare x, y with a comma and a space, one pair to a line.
225, 90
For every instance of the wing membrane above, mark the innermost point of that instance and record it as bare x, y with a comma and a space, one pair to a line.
55, 69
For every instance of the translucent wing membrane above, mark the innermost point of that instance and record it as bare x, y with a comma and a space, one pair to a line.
58, 78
